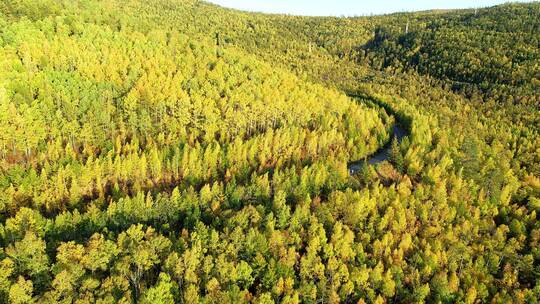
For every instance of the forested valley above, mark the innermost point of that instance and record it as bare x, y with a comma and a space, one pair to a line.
174, 151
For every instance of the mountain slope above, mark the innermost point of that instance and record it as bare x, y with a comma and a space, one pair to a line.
173, 151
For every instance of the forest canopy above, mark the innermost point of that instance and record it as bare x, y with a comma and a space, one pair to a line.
174, 151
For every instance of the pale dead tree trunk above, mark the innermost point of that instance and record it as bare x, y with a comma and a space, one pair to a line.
475, 11
407, 27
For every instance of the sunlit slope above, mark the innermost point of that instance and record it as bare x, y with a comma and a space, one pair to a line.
176, 152
147, 107
493, 50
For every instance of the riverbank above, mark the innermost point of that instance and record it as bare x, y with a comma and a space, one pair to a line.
381, 155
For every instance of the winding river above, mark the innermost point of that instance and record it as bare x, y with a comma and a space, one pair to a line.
381, 155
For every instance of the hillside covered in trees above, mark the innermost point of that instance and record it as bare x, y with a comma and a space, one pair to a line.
174, 151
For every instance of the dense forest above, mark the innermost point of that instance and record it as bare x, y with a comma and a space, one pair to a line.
174, 151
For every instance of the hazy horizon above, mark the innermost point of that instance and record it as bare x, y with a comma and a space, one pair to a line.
349, 7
